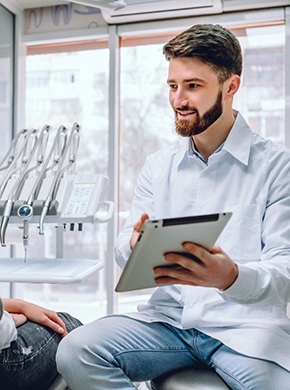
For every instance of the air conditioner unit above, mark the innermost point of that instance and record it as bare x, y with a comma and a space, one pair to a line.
142, 10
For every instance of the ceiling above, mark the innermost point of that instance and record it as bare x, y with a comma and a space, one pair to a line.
43, 3
38, 3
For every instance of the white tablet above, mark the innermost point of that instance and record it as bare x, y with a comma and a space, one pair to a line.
167, 235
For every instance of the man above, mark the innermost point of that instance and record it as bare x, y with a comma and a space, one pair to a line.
228, 310
29, 337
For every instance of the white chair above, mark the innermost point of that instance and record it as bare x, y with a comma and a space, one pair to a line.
202, 378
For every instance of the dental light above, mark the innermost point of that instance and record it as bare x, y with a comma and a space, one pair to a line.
103, 4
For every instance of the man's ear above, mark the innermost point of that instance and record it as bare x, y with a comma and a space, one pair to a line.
232, 86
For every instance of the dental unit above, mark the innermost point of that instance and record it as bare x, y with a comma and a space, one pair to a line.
40, 185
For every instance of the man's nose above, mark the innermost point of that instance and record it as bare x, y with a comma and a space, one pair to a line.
180, 99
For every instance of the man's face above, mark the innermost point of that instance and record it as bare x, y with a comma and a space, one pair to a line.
195, 95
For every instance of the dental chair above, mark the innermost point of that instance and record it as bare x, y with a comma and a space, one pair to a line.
202, 378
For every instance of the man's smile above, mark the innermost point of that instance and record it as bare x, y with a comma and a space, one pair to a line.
184, 114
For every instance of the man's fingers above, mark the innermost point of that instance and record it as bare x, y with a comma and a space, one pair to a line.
138, 225
137, 229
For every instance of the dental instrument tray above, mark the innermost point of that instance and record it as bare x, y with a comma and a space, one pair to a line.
167, 235
64, 271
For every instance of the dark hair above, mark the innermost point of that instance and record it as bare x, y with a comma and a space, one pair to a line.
212, 44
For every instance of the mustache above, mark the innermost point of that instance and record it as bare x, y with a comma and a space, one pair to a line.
185, 108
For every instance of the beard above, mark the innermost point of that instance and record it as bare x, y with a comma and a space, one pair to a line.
187, 128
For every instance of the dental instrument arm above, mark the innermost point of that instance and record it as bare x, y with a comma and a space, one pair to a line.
58, 174
28, 154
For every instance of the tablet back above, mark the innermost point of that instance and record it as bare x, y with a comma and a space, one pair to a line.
167, 235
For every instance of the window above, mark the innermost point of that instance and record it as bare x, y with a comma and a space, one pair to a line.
6, 77
6, 98
262, 96
71, 87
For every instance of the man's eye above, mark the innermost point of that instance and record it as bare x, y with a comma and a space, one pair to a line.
193, 85
172, 86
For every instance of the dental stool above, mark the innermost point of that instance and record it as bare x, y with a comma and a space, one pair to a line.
202, 378
59, 384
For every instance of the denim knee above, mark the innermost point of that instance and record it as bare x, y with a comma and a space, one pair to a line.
67, 348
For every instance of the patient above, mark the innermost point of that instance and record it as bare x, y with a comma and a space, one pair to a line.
29, 337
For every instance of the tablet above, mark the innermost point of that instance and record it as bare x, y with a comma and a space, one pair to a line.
167, 235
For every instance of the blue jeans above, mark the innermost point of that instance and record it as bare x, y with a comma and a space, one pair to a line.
29, 362
115, 351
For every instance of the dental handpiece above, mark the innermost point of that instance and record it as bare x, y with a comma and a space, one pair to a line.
25, 212
5, 219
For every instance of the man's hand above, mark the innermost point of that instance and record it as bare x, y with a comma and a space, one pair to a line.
204, 268
137, 229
